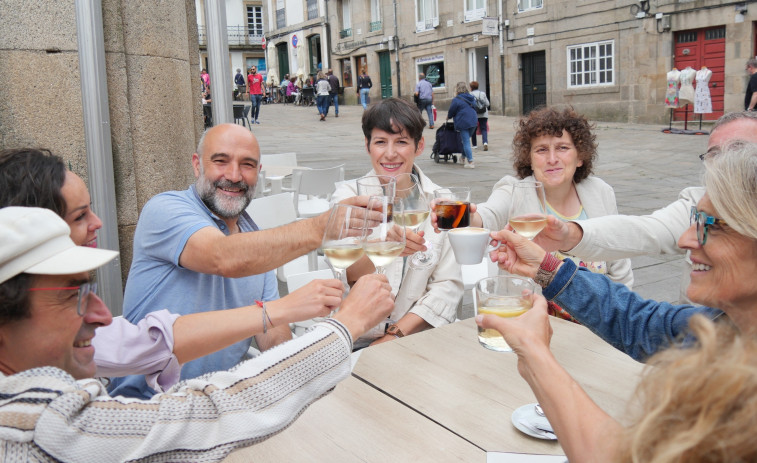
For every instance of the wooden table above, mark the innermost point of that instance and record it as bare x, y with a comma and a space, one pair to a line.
357, 423
439, 396
446, 375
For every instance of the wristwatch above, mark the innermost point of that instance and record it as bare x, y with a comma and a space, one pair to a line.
395, 331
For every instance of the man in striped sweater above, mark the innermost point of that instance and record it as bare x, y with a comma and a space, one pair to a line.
51, 409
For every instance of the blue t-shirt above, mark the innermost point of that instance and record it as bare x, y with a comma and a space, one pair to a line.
157, 281
424, 89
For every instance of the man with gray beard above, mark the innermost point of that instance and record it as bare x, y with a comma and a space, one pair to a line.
198, 250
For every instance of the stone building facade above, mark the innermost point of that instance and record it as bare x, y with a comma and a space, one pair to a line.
607, 58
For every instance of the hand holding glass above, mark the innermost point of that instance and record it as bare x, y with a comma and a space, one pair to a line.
452, 207
504, 296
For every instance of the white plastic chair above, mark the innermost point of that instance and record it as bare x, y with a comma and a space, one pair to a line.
297, 281
277, 210
313, 189
277, 159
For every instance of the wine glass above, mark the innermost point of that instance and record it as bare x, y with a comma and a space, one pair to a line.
528, 211
415, 211
342, 242
376, 185
383, 240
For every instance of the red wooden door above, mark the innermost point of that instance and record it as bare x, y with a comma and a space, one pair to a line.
697, 48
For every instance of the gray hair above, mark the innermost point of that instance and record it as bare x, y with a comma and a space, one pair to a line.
461, 87
727, 118
752, 63
731, 184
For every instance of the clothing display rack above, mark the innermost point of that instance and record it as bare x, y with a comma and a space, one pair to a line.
685, 130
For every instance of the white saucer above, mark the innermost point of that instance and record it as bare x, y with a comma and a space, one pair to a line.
528, 414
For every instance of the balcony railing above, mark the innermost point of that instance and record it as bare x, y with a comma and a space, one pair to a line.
375, 26
344, 33
236, 35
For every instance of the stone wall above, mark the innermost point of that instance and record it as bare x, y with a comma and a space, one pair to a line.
151, 66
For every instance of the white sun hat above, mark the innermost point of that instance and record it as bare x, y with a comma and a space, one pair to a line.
35, 240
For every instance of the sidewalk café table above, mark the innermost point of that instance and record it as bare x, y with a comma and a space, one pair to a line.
440, 389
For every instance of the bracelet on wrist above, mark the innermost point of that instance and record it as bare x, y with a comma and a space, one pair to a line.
265, 316
547, 270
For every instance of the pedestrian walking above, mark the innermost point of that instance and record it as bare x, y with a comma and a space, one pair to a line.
482, 110
256, 83
364, 85
322, 88
239, 82
462, 111
425, 93
333, 93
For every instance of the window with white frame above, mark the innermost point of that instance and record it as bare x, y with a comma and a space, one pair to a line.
312, 9
474, 10
525, 5
281, 19
375, 10
591, 64
254, 20
427, 15
346, 15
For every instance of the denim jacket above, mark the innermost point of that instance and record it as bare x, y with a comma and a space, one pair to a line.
631, 324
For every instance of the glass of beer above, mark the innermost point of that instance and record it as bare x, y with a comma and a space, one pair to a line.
504, 296
528, 212
452, 207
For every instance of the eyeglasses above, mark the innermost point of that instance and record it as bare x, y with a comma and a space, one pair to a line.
704, 222
83, 292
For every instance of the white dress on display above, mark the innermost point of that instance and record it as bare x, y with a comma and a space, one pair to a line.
671, 94
702, 99
686, 92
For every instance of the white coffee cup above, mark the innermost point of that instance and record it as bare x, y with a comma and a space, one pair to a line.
469, 244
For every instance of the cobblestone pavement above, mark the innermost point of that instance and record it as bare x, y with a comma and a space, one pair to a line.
646, 167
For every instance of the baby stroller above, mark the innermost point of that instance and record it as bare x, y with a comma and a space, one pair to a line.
447, 142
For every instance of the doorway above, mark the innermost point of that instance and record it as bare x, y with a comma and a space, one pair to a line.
385, 74
702, 48
534, 76
478, 69
283, 53
314, 50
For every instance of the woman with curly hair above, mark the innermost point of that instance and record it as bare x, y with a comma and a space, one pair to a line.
697, 401
557, 147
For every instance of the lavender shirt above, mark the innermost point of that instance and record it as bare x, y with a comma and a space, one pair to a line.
146, 348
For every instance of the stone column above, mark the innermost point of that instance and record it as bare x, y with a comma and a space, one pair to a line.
152, 62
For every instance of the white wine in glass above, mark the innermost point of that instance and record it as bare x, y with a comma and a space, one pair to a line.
342, 242
416, 210
383, 240
528, 209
